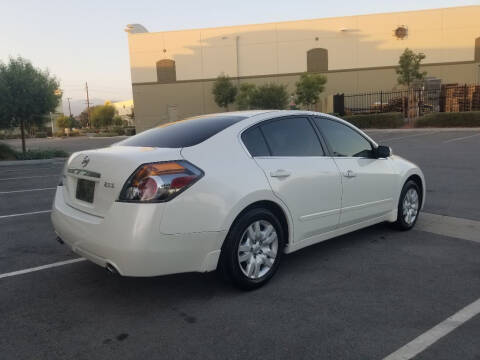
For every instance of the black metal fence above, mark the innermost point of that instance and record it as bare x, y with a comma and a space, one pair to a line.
412, 103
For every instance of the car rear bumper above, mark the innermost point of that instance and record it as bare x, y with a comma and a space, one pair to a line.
129, 238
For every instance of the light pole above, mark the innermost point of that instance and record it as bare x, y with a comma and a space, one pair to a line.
51, 120
69, 108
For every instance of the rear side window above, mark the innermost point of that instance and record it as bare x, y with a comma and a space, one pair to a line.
188, 132
255, 142
292, 137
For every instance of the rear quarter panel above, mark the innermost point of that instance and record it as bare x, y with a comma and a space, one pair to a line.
232, 181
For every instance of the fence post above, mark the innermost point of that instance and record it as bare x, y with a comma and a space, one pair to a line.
381, 101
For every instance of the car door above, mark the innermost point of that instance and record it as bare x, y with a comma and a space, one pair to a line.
290, 153
367, 182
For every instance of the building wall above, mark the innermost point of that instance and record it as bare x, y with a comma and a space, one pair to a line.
362, 53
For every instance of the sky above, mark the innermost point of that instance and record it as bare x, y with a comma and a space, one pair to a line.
84, 41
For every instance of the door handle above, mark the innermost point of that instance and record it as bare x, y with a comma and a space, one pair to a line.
349, 174
280, 173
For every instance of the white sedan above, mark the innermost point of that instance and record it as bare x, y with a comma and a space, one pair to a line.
232, 192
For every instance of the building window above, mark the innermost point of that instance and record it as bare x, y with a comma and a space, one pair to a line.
166, 71
477, 49
317, 60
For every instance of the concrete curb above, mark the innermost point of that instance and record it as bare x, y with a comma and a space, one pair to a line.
33, 162
426, 129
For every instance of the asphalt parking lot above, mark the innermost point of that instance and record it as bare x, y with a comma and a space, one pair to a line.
365, 295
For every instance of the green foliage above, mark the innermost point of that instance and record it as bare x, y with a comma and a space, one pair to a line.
130, 131
245, 95
63, 122
7, 153
83, 118
224, 91
119, 130
408, 70
377, 121
102, 116
450, 119
309, 88
117, 120
270, 96
26, 94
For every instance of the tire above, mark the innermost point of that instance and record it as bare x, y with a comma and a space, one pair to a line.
409, 205
253, 249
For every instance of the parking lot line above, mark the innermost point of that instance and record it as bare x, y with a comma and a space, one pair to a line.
409, 136
25, 190
461, 138
428, 338
33, 169
449, 226
29, 177
42, 267
24, 214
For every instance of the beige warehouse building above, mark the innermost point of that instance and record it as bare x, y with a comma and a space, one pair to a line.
173, 72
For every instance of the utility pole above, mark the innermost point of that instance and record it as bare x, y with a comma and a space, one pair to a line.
69, 108
88, 104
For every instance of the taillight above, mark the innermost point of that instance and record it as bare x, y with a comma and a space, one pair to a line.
159, 182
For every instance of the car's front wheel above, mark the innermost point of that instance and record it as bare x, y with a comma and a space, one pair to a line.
408, 206
253, 249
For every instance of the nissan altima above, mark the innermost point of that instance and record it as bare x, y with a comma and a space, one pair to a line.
232, 192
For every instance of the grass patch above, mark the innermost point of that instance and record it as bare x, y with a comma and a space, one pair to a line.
391, 120
7, 153
450, 119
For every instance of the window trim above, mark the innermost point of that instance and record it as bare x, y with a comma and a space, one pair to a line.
326, 152
330, 151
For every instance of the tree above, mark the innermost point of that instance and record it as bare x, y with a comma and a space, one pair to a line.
224, 91
64, 122
117, 120
408, 70
245, 96
26, 95
102, 115
309, 88
270, 96
83, 118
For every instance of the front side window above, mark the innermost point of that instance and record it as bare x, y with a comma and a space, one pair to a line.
291, 137
343, 140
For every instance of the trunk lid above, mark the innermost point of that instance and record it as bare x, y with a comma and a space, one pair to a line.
93, 179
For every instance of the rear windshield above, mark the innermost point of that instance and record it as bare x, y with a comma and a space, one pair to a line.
188, 132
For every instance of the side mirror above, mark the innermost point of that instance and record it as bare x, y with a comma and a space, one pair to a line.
382, 151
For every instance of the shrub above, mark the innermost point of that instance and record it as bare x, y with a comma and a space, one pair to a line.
309, 88
270, 96
245, 95
224, 91
40, 134
130, 131
377, 121
106, 134
450, 119
119, 130
59, 133
7, 153
41, 154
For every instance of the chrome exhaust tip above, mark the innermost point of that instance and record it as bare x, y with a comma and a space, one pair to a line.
111, 269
